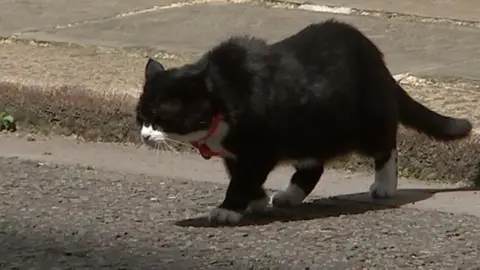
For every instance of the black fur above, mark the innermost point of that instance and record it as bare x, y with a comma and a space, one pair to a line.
320, 93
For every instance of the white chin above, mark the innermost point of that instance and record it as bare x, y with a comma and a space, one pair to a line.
150, 134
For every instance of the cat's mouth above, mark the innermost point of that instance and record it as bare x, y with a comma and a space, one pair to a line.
150, 135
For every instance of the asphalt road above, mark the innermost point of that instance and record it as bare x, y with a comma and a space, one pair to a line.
77, 217
80, 217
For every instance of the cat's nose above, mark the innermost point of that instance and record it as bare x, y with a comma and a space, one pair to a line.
146, 137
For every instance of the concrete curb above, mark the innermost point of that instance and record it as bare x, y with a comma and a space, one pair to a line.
86, 114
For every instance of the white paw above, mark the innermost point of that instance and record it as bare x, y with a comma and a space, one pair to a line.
292, 195
224, 216
258, 205
386, 181
382, 189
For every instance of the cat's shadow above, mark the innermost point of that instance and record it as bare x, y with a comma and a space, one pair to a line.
349, 204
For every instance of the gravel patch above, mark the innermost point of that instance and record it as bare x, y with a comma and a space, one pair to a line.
77, 217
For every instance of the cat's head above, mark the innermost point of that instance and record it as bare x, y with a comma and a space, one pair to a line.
175, 104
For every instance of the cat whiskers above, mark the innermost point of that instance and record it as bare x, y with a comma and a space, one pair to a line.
160, 147
170, 147
182, 146
180, 143
157, 148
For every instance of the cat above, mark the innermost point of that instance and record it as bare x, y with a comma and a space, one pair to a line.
318, 94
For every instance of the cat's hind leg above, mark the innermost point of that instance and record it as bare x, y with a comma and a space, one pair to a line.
383, 149
386, 177
303, 181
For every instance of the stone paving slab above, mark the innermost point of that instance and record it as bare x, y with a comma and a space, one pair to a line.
464, 10
29, 15
421, 49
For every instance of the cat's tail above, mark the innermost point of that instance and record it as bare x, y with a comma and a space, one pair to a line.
418, 117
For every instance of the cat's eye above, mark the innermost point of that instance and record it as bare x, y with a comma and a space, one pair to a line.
170, 106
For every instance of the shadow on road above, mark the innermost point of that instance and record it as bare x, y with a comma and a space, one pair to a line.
349, 204
26, 249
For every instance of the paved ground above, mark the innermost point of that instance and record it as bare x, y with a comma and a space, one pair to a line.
190, 28
59, 211
73, 205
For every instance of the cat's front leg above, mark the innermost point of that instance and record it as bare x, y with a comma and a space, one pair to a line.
260, 199
245, 191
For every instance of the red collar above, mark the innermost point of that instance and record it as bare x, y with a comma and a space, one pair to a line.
201, 144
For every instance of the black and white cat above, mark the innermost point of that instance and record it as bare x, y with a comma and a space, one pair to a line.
313, 96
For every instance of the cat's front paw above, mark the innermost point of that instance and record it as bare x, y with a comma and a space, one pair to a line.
258, 205
224, 216
291, 196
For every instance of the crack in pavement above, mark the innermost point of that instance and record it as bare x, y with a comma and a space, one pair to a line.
127, 14
271, 4
372, 13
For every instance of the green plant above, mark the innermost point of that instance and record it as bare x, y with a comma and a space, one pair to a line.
7, 121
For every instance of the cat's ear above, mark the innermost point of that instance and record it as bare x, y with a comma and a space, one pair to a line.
153, 68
